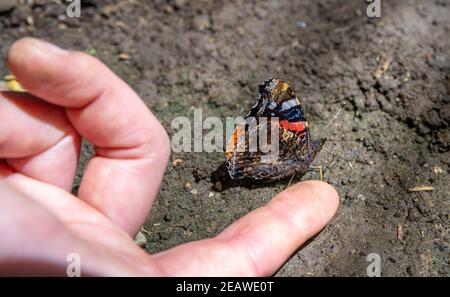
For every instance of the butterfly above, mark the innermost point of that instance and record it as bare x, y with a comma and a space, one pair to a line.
297, 149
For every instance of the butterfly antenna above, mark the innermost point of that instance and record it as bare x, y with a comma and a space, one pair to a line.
334, 117
360, 139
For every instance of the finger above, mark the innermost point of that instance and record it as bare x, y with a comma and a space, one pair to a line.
17, 214
58, 202
37, 139
259, 243
50, 247
132, 148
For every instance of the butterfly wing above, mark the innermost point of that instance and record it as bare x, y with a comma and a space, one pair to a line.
242, 162
296, 150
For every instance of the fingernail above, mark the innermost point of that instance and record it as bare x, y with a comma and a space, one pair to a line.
24, 51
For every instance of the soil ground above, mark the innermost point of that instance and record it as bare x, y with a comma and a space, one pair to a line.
393, 73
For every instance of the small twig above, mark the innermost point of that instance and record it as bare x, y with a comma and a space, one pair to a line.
420, 189
400, 232
145, 231
180, 226
382, 67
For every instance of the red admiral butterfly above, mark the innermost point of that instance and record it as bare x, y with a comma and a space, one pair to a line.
296, 148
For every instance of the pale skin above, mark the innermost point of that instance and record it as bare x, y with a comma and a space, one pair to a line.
41, 222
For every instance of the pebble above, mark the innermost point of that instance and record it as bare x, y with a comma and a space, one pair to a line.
176, 162
361, 197
240, 31
359, 102
199, 85
180, 3
167, 217
168, 9
218, 185
124, 57
350, 195
201, 22
261, 12
437, 170
7, 5
30, 20
441, 61
301, 24
19, 16
388, 83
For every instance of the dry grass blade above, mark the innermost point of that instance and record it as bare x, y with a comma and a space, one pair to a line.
421, 188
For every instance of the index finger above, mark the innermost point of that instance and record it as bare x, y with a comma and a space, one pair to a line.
132, 148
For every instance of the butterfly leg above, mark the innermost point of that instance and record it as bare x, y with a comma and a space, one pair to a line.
290, 181
319, 168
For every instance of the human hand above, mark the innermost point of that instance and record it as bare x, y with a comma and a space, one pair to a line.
41, 222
